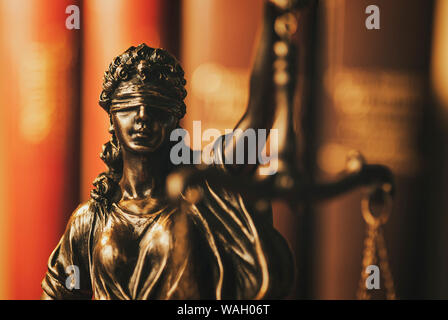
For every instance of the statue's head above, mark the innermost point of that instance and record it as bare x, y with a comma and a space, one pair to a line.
143, 92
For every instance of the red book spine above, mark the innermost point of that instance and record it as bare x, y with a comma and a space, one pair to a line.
39, 69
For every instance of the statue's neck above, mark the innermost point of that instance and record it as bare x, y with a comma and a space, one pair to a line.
143, 176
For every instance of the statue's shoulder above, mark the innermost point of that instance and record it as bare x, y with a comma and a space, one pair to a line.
85, 208
83, 216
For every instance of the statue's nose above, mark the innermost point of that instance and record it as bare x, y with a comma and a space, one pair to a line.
142, 114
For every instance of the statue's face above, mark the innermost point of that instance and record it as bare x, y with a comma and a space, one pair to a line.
142, 129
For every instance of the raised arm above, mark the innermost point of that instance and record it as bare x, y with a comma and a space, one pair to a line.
261, 105
261, 108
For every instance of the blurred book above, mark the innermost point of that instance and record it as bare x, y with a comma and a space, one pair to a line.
374, 98
218, 40
40, 94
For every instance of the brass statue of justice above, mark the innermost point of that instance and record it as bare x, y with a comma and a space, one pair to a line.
156, 230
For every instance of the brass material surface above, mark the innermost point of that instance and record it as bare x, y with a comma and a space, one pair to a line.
131, 241
154, 230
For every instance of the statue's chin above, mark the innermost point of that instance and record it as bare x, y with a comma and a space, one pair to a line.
144, 147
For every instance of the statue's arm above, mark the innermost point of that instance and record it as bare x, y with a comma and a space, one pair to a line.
69, 262
260, 110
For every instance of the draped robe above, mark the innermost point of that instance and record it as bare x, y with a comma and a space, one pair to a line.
218, 248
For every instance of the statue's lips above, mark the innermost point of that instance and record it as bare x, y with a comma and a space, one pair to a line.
144, 136
142, 131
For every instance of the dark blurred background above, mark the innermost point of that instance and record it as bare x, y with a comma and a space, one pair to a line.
383, 92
